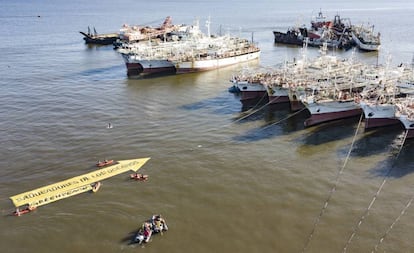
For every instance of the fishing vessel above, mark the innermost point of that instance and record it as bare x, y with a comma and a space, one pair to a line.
277, 94
294, 99
378, 104
30, 200
293, 36
378, 107
186, 58
251, 90
365, 38
151, 57
137, 33
128, 34
297, 78
284, 83
378, 115
330, 109
131, 34
197, 52
405, 114
335, 33
388, 86
100, 39
228, 52
333, 97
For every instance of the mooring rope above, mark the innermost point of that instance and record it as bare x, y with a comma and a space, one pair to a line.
402, 211
392, 225
274, 123
259, 102
366, 212
285, 118
325, 206
251, 112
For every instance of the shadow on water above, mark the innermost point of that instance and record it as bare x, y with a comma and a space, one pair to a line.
376, 141
399, 164
255, 105
222, 105
99, 71
153, 75
278, 120
129, 238
91, 47
330, 131
262, 111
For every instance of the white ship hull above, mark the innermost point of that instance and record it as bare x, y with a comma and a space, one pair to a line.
365, 46
213, 63
251, 92
294, 99
378, 115
408, 125
277, 95
136, 66
331, 110
139, 67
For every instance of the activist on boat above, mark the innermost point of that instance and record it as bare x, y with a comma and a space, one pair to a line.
91, 181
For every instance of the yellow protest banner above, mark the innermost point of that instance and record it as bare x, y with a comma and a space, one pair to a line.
73, 186
60, 195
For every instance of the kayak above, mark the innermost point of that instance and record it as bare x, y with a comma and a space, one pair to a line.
24, 211
96, 186
104, 163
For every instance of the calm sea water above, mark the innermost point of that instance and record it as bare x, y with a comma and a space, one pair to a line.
224, 179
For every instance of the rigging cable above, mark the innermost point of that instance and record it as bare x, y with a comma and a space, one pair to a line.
325, 206
366, 212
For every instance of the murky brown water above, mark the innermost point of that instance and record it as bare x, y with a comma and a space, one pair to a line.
224, 183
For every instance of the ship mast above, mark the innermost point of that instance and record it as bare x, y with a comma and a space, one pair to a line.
208, 22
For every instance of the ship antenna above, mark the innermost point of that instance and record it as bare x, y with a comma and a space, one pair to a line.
208, 26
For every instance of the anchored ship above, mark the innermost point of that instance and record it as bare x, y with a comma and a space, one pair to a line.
365, 39
335, 33
195, 52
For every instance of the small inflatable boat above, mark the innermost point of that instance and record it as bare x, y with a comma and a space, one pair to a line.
139, 177
152, 226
